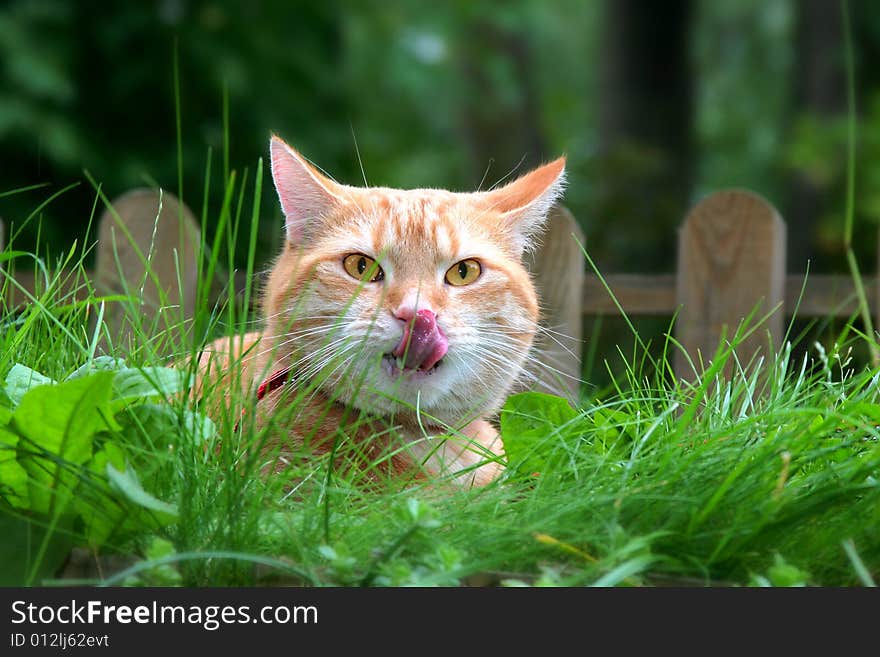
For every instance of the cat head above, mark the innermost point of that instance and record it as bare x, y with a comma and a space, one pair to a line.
392, 300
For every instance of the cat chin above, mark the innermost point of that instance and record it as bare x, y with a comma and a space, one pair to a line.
387, 390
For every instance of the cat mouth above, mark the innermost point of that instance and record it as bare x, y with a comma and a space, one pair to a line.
422, 345
395, 366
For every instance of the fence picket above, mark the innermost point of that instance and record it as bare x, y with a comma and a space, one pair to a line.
558, 268
155, 233
731, 260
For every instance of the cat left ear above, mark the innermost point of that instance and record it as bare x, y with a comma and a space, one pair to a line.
305, 194
525, 202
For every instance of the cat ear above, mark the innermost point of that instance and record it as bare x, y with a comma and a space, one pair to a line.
525, 202
305, 193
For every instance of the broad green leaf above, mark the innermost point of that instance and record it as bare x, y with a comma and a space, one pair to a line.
101, 519
99, 364
531, 425
21, 379
156, 422
127, 482
161, 424
61, 419
13, 477
133, 384
8, 440
610, 427
6, 403
110, 453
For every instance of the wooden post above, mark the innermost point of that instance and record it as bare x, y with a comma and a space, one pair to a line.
558, 268
731, 258
147, 230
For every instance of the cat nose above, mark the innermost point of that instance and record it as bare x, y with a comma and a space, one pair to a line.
406, 314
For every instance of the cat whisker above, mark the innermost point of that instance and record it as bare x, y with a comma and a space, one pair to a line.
293, 336
541, 332
534, 326
301, 319
488, 354
508, 174
304, 376
317, 360
485, 173
327, 350
329, 375
358, 152
306, 330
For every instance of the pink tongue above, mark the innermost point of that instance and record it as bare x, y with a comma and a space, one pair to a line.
423, 342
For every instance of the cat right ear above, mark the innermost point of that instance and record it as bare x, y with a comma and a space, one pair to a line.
305, 194
525, 202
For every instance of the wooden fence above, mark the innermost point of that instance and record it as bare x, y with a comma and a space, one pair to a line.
731, 262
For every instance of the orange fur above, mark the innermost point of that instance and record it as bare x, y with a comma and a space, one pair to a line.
335, 332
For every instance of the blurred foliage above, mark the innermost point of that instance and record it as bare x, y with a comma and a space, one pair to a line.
89, 86
743, 54
457, 94
818, 152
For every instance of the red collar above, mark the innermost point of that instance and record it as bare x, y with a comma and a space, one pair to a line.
277, 379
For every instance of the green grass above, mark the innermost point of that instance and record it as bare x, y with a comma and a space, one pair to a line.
769, 478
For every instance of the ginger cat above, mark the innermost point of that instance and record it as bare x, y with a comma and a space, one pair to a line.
409, 310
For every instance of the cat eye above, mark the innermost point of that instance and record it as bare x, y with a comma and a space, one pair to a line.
464, 272
364, 268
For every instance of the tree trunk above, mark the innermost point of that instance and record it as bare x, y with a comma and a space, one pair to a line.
646, 106
820, 89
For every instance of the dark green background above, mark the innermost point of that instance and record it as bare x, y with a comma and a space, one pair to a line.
655, 104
